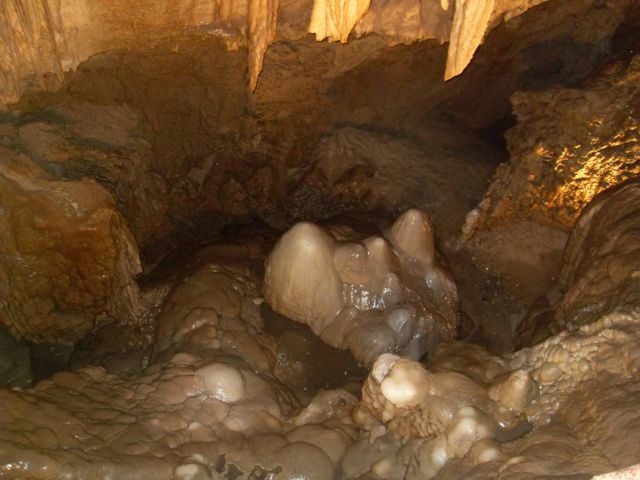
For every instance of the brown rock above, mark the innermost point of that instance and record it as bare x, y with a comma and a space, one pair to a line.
67, 258
569, 145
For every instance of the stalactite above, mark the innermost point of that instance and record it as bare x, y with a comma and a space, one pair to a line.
262, 19
334, 19
470, 22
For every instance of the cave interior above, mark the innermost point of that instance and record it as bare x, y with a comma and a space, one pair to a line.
320, 239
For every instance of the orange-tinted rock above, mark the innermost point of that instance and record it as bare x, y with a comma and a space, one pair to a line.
42, 41
67, 258
569, 145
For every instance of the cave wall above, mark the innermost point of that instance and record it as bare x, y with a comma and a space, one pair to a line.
68, 258
200, 152
171, 131
569, 145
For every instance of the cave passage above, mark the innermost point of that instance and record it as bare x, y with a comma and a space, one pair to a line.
320, 240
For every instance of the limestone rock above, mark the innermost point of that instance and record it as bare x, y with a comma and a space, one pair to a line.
355, 170
578, 389
68, 258
606, 234
371, 295
569, 145
43, 40
201, 411
600, 309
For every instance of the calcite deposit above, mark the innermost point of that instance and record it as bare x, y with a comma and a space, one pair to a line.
209, 405
371, 296
465, 402
44, 40
247, 239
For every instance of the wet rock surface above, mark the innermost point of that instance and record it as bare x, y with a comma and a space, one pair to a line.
194, 410
188, 373
371, 296
210, 404
68, 258
548, 383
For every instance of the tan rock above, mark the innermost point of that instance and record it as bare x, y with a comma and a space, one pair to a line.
569, 145
43, 40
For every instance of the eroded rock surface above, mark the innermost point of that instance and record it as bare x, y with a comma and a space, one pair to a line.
164, 121
211, 407
216, 411
359, 170
569, 144
68, 258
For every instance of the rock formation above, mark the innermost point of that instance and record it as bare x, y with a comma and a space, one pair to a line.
152, 153
569, 144
68, 260
370, 296
463, 397
209, 405
43, 41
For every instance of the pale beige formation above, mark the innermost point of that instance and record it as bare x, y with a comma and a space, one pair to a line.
69, 260
569, 144
470, 23
134, 132
43, 40
216, 309
370, 296
404, 22
413, 236
262, 20
209, 406
334, 19
449, 414
578, 389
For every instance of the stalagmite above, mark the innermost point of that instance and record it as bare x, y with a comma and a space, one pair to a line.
461, 401
300, 279
412, 234
371, 297
213, 281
